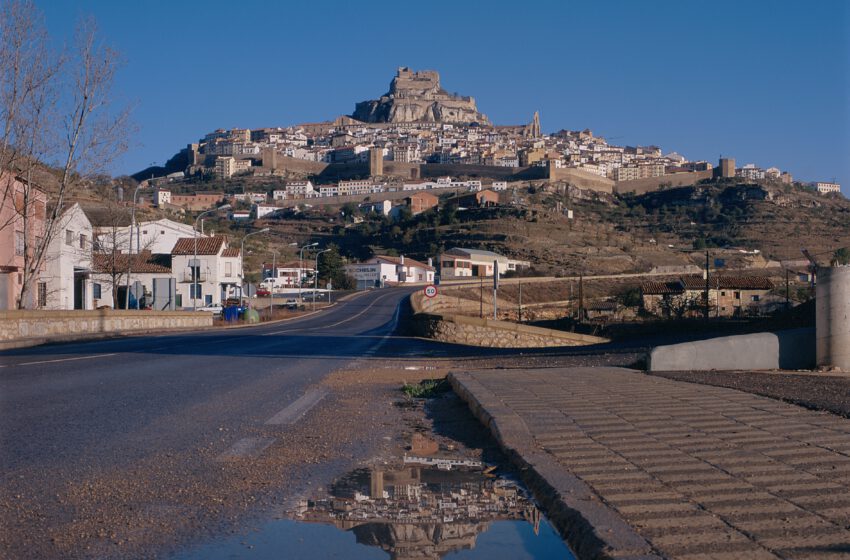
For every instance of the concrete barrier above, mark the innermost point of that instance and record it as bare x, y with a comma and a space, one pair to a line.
791, 349
49, 326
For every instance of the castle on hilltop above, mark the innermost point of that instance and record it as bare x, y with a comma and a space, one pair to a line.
417, 96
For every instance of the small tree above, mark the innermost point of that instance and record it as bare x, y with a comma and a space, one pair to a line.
841, 257
331, 269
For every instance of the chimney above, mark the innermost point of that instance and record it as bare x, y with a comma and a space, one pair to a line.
402, 259
430, 262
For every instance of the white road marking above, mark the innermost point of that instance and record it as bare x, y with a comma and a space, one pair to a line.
60, 360
246, 447
292, 413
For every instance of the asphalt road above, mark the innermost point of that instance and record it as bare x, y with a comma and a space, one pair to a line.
81, 422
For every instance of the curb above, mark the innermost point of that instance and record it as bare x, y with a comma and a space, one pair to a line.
592, 529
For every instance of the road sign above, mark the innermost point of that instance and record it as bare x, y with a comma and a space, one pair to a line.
430, 291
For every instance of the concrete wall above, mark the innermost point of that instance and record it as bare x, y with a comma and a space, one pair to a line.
832, 311
641, 186
791, 349
46, 326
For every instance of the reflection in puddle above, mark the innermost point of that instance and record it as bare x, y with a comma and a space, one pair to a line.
412, 512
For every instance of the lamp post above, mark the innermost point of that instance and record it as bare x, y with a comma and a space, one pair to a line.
130, 249
316, 278
301, 267
271, 290
196, 269
242, 264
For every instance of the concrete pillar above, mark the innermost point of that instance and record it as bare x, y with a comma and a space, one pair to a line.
832, 309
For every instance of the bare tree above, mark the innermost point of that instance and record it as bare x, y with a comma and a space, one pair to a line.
56, 112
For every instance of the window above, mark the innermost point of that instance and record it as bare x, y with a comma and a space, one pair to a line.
19, 243
737, 295
96, 291
144, 232
195, 291
722, 293
162, 232
755, 298
228, 269
42, 294
83, 241
69, 237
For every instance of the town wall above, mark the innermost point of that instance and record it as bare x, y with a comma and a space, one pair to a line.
581, 179
641, 186
54, 326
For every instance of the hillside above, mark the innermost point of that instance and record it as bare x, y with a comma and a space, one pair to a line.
608, 234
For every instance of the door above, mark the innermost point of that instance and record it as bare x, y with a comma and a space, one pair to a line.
79, 291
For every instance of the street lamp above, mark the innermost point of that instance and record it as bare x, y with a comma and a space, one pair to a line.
130, 249
271, 288
301, 267
196, 269
242, 264
316, 278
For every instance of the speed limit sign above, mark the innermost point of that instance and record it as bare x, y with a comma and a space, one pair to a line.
430, 291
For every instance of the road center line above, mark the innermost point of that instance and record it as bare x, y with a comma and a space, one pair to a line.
333, 324
299, 408
60, 360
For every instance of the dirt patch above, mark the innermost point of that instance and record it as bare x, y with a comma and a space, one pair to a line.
814, 391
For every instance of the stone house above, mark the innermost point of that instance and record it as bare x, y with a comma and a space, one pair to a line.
422, 201
728, 296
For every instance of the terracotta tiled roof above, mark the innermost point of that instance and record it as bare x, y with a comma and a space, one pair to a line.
407, 261
728, 283
206, 245
745, 283
231, 252
141, 263
660, 288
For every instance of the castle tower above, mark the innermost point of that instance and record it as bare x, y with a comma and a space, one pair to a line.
376, 162
535, 126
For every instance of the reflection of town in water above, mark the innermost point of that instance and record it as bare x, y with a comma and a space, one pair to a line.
421, 510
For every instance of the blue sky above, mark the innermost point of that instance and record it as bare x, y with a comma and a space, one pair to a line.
762, 81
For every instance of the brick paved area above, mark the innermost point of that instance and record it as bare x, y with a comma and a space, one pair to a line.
699, 472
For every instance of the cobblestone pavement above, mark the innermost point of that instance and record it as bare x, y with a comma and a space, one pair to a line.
697, 471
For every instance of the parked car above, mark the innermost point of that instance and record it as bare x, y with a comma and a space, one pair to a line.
215, 309
292, 304
263, 292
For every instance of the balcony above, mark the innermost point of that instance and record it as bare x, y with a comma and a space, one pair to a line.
202, 276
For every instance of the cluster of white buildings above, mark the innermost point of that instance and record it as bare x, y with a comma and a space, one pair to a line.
166, 264
501, 146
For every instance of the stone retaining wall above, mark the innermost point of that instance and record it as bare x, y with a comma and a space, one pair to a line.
475, 331
65, 325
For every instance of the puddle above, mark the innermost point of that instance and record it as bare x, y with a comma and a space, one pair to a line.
448, 509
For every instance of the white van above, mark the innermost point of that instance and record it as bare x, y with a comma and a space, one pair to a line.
272, 284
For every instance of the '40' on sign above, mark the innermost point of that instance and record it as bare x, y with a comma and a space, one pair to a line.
430, 291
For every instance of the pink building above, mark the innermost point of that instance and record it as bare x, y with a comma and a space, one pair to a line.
22, 223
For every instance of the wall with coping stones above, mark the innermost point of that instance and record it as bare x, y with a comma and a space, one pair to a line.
475, 331
64, 325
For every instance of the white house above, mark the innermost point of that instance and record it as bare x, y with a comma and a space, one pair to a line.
158, 236
464, 263
213, 277
382, 269
299, 188
262, 210
382, 207
288, 273
279, 194
68, 262
109, 277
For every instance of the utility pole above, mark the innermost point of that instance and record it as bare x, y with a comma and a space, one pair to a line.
519, 310
495, 288
787, 291
581, 297
481, 298
707, 286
